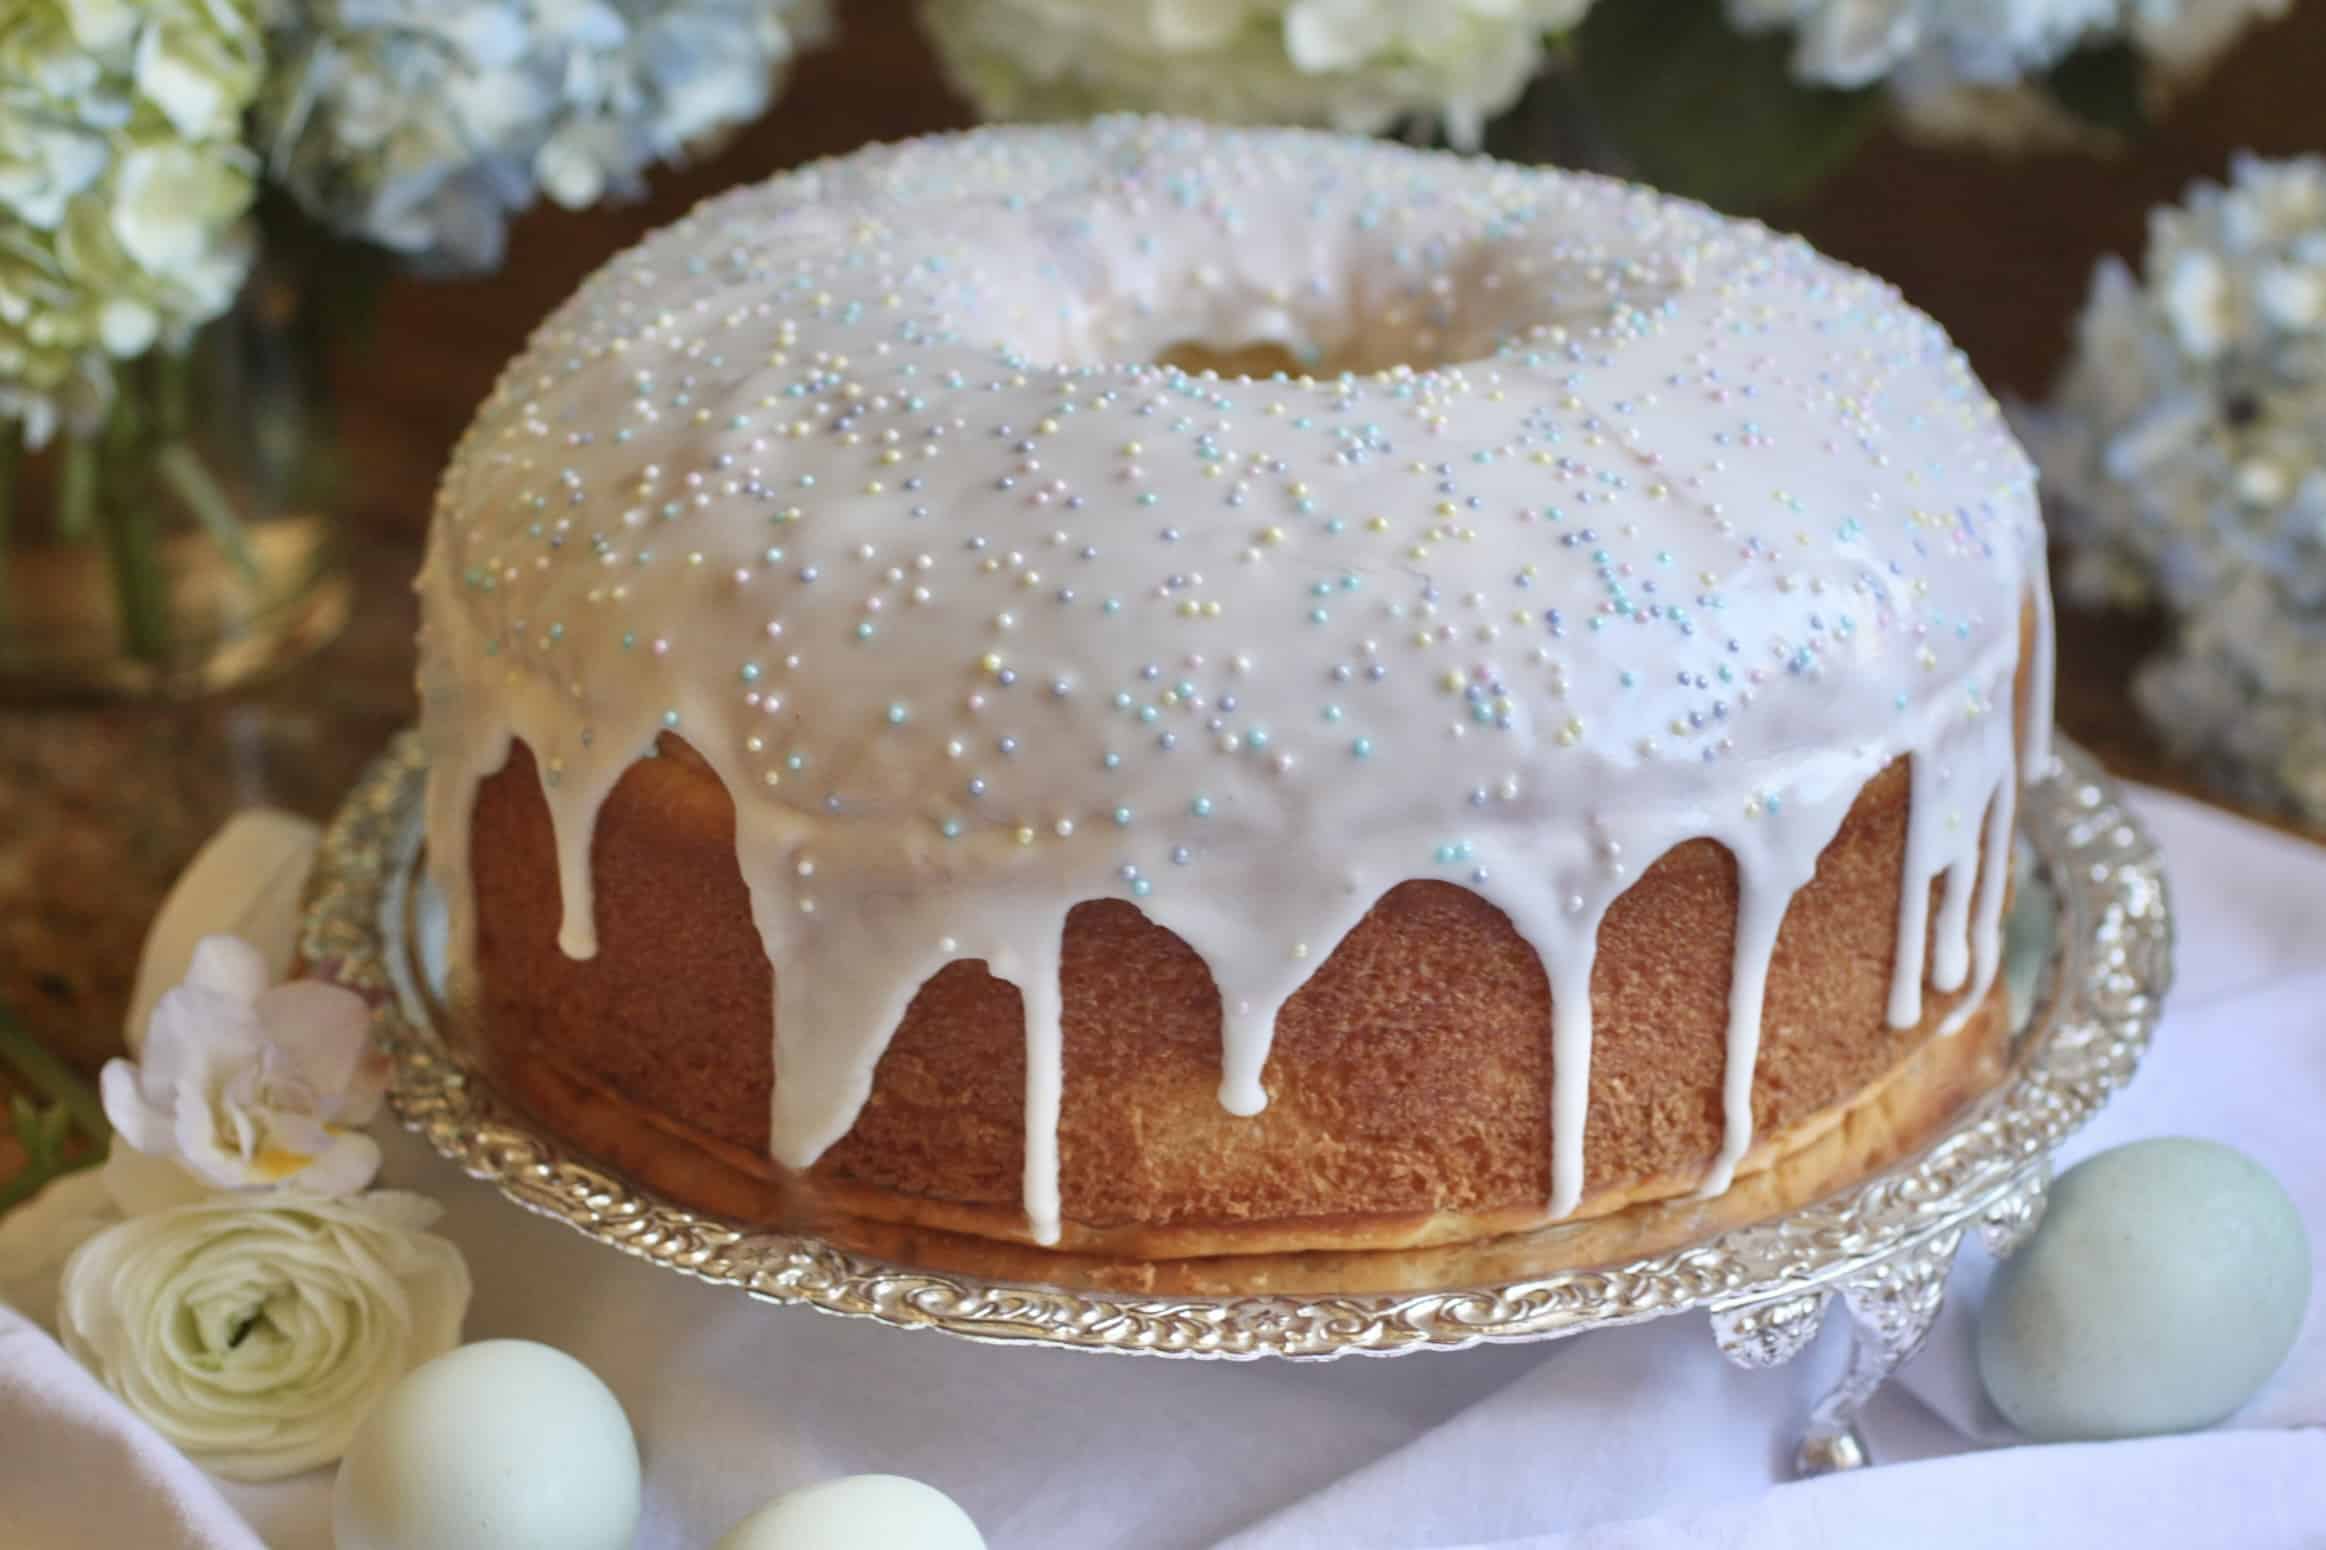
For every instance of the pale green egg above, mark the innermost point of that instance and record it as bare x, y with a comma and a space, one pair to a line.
857, 1512
2166, 1283
504, 1443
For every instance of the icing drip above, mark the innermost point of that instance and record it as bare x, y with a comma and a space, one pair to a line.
1037, 982
1923, 832
1950, 959
1570, 975
574, 822
2041, 681
857, 483
1251, 998
1994, 888
1760, 911
1770, 871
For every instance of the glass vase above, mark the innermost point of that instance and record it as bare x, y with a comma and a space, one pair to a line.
186, 542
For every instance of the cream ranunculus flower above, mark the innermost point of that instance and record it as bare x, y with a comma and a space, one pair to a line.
255, 1333
246, 1086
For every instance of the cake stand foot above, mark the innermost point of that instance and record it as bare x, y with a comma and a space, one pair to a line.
1830, 1452
1892, 1303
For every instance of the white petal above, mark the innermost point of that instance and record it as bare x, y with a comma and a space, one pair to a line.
229, 966
569, 169
323, 1030
192, 1027
195, 103
127, 327
2291, 297
216, 1160
346, 1166
1853, 43
2196, 300
1189, 25
173, 202
139, 1124
366, 1087
1326, 35
101, 26
397, 1208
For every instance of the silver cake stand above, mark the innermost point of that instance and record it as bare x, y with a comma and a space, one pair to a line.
2091, 956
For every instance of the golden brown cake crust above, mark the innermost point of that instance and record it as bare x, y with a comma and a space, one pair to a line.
1806, 1163
1409, 1082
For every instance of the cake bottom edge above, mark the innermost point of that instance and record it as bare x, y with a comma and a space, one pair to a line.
1804, 1162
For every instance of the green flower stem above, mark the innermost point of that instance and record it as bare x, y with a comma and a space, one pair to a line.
132, 533
45, 1129
181, 466
172, 373
29, 1181
11, 467
77, 490
47, 1137
54, 1080
182, 469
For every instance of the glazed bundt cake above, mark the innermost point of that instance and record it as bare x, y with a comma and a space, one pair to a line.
1531, 729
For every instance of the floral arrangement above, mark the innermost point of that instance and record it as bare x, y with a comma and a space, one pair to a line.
2185, 454
1350, 64
2011, 73
1734, 100
138, 139
228, 1272
123, 184
423, 125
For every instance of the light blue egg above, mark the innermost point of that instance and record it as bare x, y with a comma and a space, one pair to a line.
2165, 1285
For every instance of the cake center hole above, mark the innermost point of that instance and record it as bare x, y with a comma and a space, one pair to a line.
1261, 358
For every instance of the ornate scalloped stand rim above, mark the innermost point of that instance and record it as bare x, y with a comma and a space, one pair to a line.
1883, 1247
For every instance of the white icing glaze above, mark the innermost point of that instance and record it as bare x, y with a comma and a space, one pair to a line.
2042, 678
857, 482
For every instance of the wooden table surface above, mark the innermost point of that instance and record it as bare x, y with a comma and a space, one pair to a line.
99, 809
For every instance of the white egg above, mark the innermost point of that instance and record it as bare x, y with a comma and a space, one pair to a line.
503, 1443
2167, 1282
857, 1512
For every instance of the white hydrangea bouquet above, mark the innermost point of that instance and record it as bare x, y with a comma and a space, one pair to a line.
2185, 457
1735, 101
146, 146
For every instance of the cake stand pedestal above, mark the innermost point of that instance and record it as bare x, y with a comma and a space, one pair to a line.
1892, 1304
2087, 962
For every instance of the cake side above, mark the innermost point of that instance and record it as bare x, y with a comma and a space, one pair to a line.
1409, 1084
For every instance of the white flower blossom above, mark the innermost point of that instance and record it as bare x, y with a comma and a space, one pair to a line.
1855, 43
244, 1085
2185, 456
123, 189
2182, 38
256, 1332
423, 125
1358, 65
1958, 70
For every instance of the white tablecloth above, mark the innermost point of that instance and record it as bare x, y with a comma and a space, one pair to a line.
1635, 1439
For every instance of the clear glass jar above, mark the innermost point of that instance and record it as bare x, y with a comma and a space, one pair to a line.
188, 542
